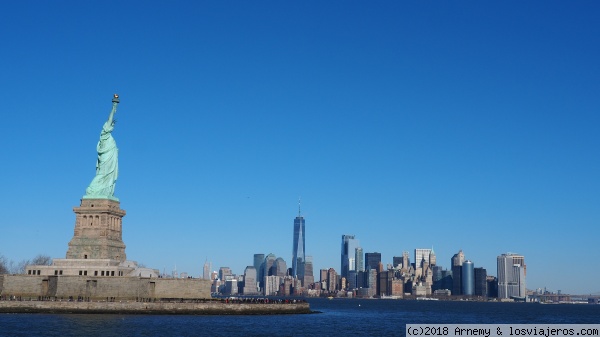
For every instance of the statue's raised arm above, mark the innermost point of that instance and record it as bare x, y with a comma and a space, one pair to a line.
115, 102
107, 165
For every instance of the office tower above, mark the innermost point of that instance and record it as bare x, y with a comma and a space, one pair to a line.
224, 272
520, 260
268, 266
384, 283
361, 279
206, 270
285, 287
348, 254
436, 278
456, 280
468, 278
420, 254
480, 282
405, 259
397, 287
397, 262
250, 286
511, 276
371, 275
271, 285
352, 279
259, 265
457, 261
359, 259
447, 279
322, 275
372, 260
298, 246
432, 258
332, 280
231, 287
259, 260
492, 286
308, 277
280, 267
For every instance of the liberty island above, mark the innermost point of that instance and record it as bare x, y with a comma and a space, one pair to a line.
96, 276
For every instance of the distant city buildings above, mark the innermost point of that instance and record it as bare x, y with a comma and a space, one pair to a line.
363, 275
269, 274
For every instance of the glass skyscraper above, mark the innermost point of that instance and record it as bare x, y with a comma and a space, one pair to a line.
468, 278
259, 265
348, 254
298, 255
359, 260
372, 260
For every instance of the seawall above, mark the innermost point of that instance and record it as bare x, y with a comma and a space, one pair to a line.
154, 308
98, 288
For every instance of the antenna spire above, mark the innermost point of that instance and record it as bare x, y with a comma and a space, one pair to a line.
299, 206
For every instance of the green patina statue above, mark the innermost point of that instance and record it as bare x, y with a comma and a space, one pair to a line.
107, 166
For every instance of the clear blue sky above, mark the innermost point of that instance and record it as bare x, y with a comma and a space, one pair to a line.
459, 125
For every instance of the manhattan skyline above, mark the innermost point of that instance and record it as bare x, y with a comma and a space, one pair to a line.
409, 125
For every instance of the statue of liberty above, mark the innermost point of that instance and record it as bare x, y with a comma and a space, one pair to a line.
107, 166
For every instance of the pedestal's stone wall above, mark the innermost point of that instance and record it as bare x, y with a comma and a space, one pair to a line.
98, 231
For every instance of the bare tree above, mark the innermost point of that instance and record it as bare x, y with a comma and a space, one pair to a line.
3, 265
10, 267
20, 267
41, 260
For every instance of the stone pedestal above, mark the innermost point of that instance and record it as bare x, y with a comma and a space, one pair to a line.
98, 231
